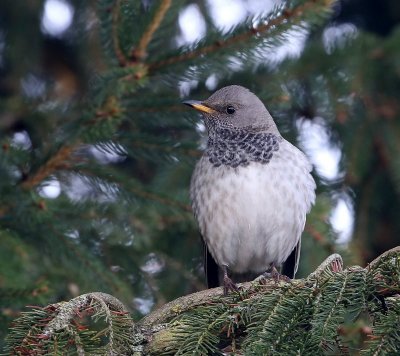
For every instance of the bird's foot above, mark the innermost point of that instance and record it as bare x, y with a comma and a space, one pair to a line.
276, 276
229, 285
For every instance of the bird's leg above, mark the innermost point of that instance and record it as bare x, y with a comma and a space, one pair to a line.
275, 275
228, 283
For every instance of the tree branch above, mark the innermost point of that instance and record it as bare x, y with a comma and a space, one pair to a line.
160, 199
259, 306
239, 38
117, 49
140, 52
59, 160
319, 238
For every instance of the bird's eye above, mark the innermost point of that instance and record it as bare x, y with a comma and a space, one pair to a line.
230, 109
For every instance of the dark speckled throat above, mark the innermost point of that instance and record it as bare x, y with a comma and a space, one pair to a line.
238, 147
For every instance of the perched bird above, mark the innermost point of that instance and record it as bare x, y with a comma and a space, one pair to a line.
250, 191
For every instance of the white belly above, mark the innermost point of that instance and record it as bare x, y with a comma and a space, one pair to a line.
253, 216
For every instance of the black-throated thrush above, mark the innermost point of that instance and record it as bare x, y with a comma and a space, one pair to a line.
250, 191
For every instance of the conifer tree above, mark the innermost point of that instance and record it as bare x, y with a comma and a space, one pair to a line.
95, 161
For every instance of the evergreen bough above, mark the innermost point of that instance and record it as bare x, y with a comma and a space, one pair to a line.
131, 110
303, 317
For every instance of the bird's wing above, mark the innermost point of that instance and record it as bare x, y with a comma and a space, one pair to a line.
291, 264
297, 250
211, 268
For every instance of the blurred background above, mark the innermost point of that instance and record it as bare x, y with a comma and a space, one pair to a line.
96, 150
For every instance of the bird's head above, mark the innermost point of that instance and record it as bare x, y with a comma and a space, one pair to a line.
235, 107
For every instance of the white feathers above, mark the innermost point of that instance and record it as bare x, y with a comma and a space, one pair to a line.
252, 216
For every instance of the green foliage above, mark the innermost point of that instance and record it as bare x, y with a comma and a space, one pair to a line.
99, 107
386, 338
89, 324
305, 316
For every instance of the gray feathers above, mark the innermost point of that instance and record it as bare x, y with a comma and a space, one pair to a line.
250, 113
251, 190
238, 147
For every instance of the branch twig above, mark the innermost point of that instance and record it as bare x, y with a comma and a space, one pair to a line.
318, 237
155, 197
140, 51
242, 37
59, 160
68, 311
117, 49
177, 306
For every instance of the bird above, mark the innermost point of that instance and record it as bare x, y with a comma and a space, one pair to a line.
250, 190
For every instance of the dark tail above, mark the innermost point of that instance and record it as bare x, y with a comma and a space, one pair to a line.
211, 269
289, 265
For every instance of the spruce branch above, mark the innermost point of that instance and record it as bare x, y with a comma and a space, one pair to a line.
59, 161
60, 324
319, 237
169, 149
385, 336
288, 15
160, 199
63, 159
140, 52
180, 268
115, 23
97, 175
87, 261
381, 260
263, 317
334, 260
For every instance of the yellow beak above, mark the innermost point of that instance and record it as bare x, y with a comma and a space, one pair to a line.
198, 105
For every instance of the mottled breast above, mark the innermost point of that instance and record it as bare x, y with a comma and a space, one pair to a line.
250, 199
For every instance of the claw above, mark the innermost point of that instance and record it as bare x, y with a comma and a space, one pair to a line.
229, 285
276, 276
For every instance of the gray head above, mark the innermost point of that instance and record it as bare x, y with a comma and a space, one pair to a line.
235, 107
